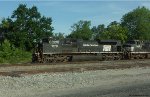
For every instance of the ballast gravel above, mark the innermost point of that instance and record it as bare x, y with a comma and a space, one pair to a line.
38, 84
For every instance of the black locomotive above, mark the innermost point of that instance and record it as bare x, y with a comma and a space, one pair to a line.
51, 50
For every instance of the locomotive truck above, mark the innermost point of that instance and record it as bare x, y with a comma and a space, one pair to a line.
50, 50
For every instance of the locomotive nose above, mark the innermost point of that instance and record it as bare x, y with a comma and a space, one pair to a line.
128, 47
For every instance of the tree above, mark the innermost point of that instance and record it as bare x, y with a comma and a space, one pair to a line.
97, 31
115, 31
59, 35
81, 30
5, 27
138, 23
25, 25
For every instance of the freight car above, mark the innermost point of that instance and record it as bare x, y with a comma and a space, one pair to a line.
51, 50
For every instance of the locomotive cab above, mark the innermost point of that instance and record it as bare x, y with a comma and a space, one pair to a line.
133, 45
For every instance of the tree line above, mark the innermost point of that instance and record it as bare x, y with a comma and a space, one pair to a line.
133, 25
26, 25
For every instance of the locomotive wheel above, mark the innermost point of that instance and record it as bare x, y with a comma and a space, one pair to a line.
44, 60
142, 56
60, 58
110, 57
54, 61
104, 57
55, 58
65, 59
119, 57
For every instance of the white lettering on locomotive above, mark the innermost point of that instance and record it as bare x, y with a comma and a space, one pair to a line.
90, 44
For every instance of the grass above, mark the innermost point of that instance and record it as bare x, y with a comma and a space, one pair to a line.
10, 55
16, 58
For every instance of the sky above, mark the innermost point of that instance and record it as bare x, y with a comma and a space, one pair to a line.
65, 13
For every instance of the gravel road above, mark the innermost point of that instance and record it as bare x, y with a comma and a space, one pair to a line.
132, 90
66, 83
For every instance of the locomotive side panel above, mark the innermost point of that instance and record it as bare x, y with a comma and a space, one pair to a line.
50, 49
72, 49
89, 46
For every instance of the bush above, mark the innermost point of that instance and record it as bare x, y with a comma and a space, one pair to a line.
10, 54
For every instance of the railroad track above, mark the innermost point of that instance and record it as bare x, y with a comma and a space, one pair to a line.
64, 63
15, 70
58, 63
